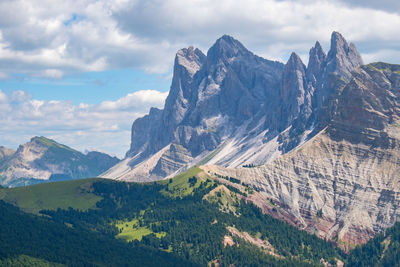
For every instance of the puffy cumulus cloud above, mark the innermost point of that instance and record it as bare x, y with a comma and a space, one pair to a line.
51, 38
105, 126
139, 99
270, 28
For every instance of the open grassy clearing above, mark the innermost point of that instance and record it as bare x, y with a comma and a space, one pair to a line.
226, 199
183, 184
76, 194
131, 230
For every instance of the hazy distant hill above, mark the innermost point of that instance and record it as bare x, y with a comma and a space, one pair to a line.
43, 160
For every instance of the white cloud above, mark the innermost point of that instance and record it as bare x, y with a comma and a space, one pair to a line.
53, 38
53, 73
105, 126
3, 97
138, 99
58, 37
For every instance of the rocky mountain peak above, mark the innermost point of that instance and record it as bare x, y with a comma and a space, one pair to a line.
294, 63
41, 140
226, 48
342, 58
317, 57
191, 59
223, 96
188, 62
43, 159
293, 88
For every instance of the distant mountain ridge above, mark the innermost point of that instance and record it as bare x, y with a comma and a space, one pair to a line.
43, 159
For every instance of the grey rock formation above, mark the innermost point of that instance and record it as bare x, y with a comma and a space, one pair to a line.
210, 97
295, 94
348, 171
43, 160
325, 76
5, 153
343, 57
317, 57
324, 137
237, 107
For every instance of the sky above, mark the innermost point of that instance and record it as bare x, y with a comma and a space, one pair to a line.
80, 72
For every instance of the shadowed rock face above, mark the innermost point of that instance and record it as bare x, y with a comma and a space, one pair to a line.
217, 99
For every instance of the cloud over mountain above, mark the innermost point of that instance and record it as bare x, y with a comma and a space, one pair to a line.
52, 38
105, 126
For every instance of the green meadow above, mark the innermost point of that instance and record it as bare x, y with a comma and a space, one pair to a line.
76, 194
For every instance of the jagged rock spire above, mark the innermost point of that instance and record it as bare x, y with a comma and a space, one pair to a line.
225, 48
188, 62
294, 85
316, 60
342, 58
212, 96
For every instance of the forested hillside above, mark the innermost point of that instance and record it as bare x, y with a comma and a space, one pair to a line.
188, 220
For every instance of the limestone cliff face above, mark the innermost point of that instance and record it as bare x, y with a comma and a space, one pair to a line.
325, 138
348, 171
235, 107
211, 97
43, 159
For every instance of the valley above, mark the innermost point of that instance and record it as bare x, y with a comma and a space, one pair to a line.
215, 223
252, 162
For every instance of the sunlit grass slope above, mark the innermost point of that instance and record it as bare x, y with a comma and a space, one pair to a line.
76, 194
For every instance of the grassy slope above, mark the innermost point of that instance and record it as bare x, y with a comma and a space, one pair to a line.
131, 230
381, 66
73, 190
76, 194
51, 143
178, 186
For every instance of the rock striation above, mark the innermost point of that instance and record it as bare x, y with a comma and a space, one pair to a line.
324, 138
342, 184
231, 108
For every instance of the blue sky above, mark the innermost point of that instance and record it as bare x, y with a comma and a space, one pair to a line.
81, 72
87, 87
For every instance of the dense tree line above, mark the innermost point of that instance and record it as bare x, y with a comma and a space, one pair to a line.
195, 228
40, 238
382, 250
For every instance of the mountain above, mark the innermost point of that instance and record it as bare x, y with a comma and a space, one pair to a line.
233, 108
213, 99
319, 141
5, 153
348, 172
43, 160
